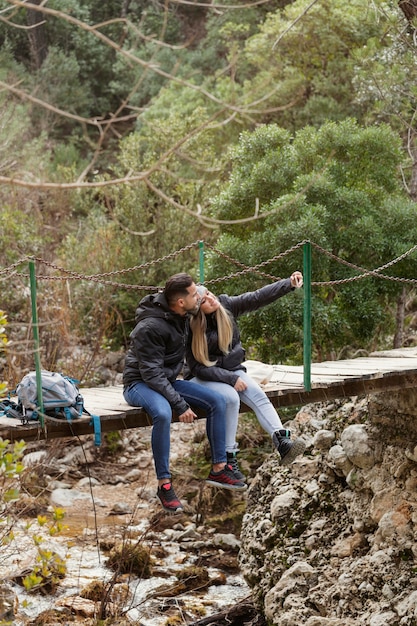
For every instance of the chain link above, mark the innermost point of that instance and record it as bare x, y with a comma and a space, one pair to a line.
167, 257
247, 269
365, 273
255, 269
8, 270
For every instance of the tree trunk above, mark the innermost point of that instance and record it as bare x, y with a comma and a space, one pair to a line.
409, 8
399, 320
37, 36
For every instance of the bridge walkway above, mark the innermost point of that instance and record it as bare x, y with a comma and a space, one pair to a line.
389, 370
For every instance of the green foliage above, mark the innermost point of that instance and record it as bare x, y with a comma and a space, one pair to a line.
306, 59
114, 442
48, 571
136, 227
11, 468
185, 81
49, 568
337, 186
3, 345
10, 460
59, 80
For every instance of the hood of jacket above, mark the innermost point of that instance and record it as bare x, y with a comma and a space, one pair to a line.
154, 305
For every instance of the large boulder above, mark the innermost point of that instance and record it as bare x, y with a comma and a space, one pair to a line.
330, 540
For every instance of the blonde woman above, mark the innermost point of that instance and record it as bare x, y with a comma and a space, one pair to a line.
215, 357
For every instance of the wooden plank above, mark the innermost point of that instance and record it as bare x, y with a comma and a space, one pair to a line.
136, 417
379, 373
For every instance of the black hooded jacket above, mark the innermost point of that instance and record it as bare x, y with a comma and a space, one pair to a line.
227, 364
157, 349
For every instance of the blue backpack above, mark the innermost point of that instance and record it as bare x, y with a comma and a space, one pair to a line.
60, 395
61, 398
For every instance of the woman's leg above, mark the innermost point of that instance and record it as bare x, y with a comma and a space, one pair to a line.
269, 419
232, 409
255, 398
159, 409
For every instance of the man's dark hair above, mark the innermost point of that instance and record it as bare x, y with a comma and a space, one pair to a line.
176, 287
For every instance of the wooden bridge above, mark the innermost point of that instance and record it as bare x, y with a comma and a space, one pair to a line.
390, 370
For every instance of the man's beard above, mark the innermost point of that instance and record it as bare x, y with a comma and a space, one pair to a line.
195, 310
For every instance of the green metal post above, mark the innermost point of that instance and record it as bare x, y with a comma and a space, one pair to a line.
36, 338
307, 315
201, 248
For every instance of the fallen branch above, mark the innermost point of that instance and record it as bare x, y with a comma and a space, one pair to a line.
236, 615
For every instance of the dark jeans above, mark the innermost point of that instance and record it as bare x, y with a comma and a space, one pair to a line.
159, 409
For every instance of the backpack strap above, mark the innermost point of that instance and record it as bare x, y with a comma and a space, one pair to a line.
8, 408
95, 422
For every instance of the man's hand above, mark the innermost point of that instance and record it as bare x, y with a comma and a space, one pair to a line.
188, 416
240, 385
296, 279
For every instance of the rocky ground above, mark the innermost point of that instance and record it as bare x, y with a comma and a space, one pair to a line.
190, 574
331, 541
327, 541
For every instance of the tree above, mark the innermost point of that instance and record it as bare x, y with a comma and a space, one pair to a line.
128, 119
338, 186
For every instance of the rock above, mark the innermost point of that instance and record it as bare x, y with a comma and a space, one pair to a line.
8, 603
353, 537
339, 461
79, 606
121, 508
323, 439
227, 541
283, 503
355, 442
67, 498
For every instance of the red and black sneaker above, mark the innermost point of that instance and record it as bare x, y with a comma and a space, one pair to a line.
225, 479
168, 498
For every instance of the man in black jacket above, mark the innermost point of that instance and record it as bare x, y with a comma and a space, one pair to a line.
153, 363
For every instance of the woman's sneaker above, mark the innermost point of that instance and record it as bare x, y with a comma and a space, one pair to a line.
168, 498
232, 462
226, 479
287, 449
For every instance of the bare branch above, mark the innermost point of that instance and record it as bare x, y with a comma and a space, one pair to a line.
213, 6
297, 19
97, 122
138, 61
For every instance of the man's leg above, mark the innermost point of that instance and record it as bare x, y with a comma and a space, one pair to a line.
215, 406
159, 409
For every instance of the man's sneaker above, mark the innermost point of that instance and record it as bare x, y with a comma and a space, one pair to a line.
232, 462
168, 499
287, 449
226, 479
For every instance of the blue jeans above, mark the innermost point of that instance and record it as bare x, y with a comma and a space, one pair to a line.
160, 411
254, 397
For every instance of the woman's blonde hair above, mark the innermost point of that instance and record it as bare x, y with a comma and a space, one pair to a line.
199, 345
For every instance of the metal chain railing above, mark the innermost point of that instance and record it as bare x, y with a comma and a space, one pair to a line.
365, 273
255, 269
99, 278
